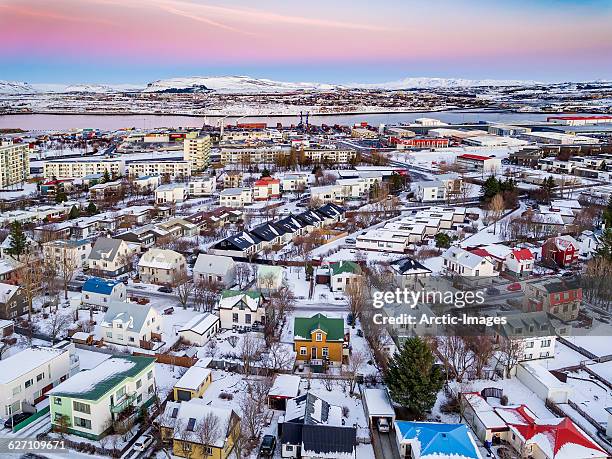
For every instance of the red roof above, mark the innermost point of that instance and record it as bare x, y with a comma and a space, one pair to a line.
265, 181
522, 254
595, 117
475, 157
480, 252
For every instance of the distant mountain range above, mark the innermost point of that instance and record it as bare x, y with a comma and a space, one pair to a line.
245, 84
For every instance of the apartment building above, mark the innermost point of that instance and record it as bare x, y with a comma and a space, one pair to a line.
66, 252
171, 193
253, 154
204, 186
14, 163
266, 188
197, 152
236, 197
79, 168
167, 167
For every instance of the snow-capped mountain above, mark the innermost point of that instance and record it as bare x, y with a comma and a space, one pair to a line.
15, 87
102, 88
231, 84
423, 83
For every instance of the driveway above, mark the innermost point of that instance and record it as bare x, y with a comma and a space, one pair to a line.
384, 445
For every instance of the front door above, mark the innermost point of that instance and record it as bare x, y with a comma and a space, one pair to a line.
313, 353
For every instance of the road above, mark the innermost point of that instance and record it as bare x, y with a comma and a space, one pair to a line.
41, 425
384, 445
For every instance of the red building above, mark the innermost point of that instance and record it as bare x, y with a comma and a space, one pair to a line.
559, 297
561, 250
266, 188
420, 142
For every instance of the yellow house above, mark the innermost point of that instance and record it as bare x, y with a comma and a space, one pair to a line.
198, 430
192, 384
319, 338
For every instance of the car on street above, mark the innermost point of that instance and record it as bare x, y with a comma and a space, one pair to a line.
16, 419
383, 425
165, 289
515, 287
143, 443
268, 445
350, 240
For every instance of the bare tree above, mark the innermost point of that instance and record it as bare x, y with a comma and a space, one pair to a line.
66, 267
511, 352
496, 207
252, 417
184, 287
356, 292
243, 273
356, 362
31, 277
207, 430
58, 324
250, 350
206, 294
279, 357
456, 355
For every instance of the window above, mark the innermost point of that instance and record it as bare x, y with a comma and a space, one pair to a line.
325, 352
303, 350
16, 390
29, 382
40, 377
82, 407
186, 446
235, 317
120, 393
247, 318
208, 450
150, 374
151, 389
109, 334
138, 384
139, 398
83, 423
289, 447
131, 339
319, 337
57, 401
545, 343
529, 345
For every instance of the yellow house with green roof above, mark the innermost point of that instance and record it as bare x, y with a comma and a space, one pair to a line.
88, 403
319, 338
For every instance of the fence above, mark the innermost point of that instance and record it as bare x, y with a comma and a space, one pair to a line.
31, 419
169, 359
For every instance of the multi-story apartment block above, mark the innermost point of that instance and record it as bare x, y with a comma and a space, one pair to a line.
253, 154
14, 163
79, 168
162, 167
329, 153
204, 186
197, 152
66, 253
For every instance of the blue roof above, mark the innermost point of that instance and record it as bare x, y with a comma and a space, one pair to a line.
444, 440
98, 285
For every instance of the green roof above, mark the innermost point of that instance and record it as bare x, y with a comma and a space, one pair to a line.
344, 267
229, 293
94, 383
304, 326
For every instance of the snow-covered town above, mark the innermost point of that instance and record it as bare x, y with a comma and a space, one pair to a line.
213, 291
325, 230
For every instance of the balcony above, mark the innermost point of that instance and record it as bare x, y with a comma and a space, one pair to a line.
123, 404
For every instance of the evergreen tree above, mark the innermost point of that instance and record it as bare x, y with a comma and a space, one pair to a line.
443, 240
265, 172
413, 379
74, 213
490, 188
19, 241
60, 195
106, 177
605, 249
547, 187
607, 214
92, 209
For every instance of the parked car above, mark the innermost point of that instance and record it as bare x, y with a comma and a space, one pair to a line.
383, 425
515, 287
143, 443
16, 419
350, 240
492, 291
268, 445
80, 277
165, 289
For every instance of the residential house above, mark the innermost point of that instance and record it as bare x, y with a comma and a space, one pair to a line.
27, 376
162, 267
131, 324
342, 273
236, 197
417, 440
13, 302
556, 296
520, 262
241, 310
561, 251
101, 292
109, 257
215, 269
88, 403
285, 387
67, 253
313, 428
106, 190
484, 164
530, 335
294, 182
319, 339
5, 247
241, 245
147, 182
266, 188
171, 193
270, 278
269, 234
10, 271
232, 179
407, 270
178, 227
460, 262
192, 384
203, 186
182, 422
200, 329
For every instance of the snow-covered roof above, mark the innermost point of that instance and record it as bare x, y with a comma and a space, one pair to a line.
193, 378
286, 386
213, 264
193, 412
161, 259
26, 361
200, 323
378, 403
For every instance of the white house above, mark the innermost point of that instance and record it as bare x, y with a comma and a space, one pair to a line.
520, 262
130, 324
100, 292
531, 334
215, 269
460, 262
294, 182
161, 266
200, 329
384, 240
109, 257
236, 197
26, 376
543, 383
171, 193
342, 273
241, 309
203, 186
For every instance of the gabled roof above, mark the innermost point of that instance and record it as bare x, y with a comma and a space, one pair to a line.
309, 217
408, 266
231, 298
105, 245
240, 241
331, 210
192, 412
439, 440
94, 383
132, 314
160, 259
99, 285
267, 232
522, 254
463, 257
340, 267
213, 264
304, 326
